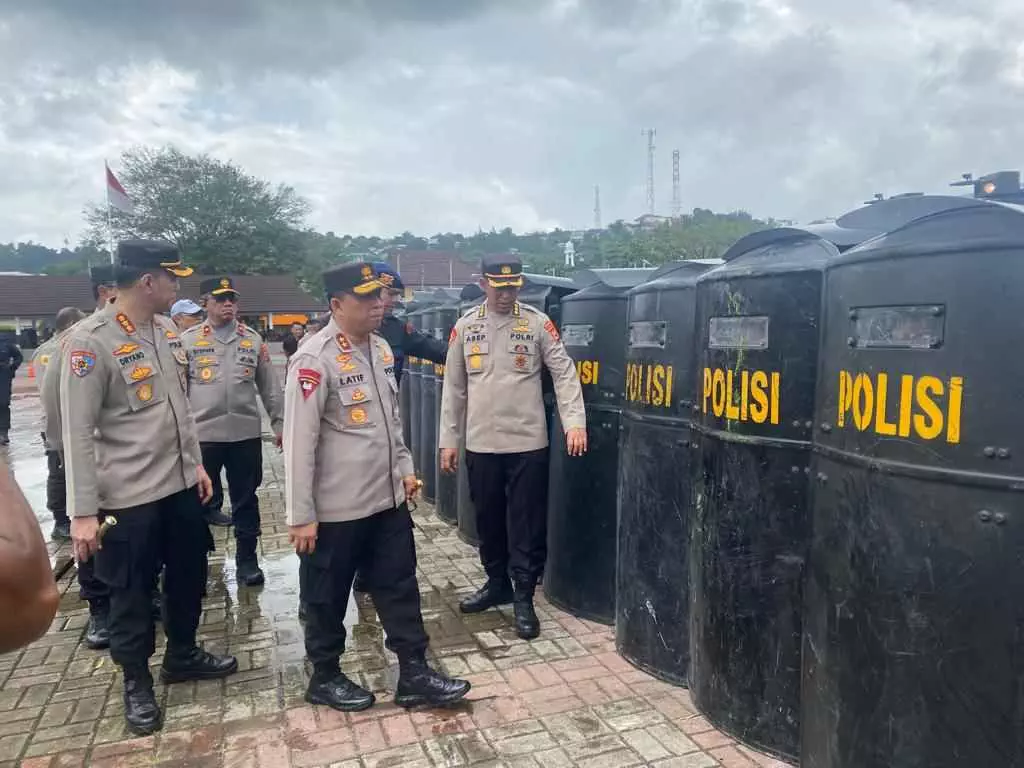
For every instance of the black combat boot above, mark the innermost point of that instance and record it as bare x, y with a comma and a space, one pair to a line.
527, 623
195, 664
218, 517
419, 685
330, 687
141, 713
97, 633
497, 591
247, 567
61, 530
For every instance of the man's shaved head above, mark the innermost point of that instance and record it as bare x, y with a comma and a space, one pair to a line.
68, 317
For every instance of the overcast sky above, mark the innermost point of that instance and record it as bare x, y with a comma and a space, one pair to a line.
438, 115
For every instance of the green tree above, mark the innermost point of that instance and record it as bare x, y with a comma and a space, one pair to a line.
221, 218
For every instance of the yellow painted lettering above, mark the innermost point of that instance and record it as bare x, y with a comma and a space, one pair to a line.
845, 397
928, 424
906, 404
668, 386
956, 397
758, 385
863, 401
882, 426
745, 396
658, 385
731, 411
776, 381
718, 392
707, 389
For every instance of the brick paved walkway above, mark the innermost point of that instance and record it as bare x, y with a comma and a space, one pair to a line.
566, 699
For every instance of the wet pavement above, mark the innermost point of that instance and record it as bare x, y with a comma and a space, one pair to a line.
565, 699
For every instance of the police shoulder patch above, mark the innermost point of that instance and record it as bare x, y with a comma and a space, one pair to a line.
549, 326
309, 380
82, 362
453, 336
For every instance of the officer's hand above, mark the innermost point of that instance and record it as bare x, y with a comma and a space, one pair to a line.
279, 441
303, 538
576, 441
449, 460
412, 487
205, 486
85, 537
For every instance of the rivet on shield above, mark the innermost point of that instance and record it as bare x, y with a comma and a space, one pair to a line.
984, 515
826, 427
989, 451
999, 517
1003, 453
851, 341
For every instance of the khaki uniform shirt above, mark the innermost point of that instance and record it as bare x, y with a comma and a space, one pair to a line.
492, 386
47, 352
224, 378
133, 391
344, 458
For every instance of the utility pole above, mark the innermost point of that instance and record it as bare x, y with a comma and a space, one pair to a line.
677, 202
597, 207
650, 134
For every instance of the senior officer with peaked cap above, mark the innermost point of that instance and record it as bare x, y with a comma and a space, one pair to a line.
492, 392
348, 479
132, 453
229, 365
403, 338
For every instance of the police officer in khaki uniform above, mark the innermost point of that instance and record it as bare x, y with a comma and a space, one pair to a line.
90, 588
492, 394
229, 364
131, 452
348, 478
56, 491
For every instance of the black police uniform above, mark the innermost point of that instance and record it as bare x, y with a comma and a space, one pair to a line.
406, 340
10, 359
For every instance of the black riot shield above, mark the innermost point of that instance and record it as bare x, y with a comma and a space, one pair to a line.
757, 344
913, 653
471, 296
414, 376
426, 454
655, 466
447, 502
545, 292
580, 572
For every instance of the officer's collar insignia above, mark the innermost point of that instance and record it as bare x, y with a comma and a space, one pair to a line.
241, 329
515, 309
343, 343
126, 324
170, 334
309, 380
482, 312
207, 330
385, 354
82, 362
125, 349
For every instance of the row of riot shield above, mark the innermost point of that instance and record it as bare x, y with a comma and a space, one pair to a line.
819, 468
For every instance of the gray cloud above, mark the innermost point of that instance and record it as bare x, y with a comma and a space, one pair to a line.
456, 115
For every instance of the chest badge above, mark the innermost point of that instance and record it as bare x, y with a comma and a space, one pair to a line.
245, 343
144, 392
358, 396
125, 349
206, 374
475, 362
140, 372
357, 416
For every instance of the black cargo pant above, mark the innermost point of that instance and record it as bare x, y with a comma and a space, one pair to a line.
510, 493
6, 383
90, 588
171, 531
244, 463
381, 547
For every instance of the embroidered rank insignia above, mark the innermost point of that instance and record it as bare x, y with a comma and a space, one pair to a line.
343, 342
126, 324
144, 392
357, 416
358, 396
520, 362
245, 343
140, 372
552, 331
309, 380
206, 374
241, 329
207, 330
170, 334
475, 361
125, 349
82, 362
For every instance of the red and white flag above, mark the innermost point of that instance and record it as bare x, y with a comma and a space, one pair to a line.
116, 196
